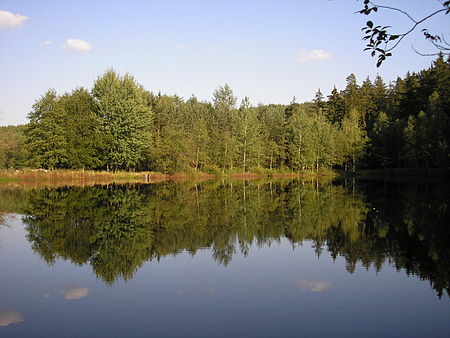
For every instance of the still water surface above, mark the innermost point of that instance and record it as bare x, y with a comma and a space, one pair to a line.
220, 259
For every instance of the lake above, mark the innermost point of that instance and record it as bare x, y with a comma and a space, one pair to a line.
240, 258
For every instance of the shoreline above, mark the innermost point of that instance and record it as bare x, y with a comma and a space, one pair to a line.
89, 177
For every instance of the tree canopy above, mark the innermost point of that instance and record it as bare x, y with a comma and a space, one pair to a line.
119, 125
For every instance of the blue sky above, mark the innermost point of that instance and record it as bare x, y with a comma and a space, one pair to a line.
267, 50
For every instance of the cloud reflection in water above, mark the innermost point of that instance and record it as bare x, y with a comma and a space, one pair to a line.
8, 317
75, 293
313, 286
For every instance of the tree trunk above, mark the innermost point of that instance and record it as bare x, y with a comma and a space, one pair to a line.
245, 153
196, 195
225, 158
196, 160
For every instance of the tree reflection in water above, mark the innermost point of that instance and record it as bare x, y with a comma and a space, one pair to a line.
116, 228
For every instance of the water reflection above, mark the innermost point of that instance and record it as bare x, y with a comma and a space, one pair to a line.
116, 228
75, 293
8, 317
312, 285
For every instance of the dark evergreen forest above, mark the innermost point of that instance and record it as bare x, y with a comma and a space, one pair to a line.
118, 125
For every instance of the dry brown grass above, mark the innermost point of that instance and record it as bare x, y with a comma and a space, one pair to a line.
54, 178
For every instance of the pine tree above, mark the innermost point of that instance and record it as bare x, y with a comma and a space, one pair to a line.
335, 107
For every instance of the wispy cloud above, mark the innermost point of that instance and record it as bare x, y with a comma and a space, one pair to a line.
77, 45
312, 55
75, 293
11, 20
312, 285
180, 46
46, 43
9, 317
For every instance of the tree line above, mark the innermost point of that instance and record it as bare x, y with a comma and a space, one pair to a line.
118, 125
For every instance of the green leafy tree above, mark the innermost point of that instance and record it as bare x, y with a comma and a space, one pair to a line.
125, 120
248, 135
222, 128
169, 144
355, 138
301, 142
45, 134
271, 118
81, 130
195, 124
12, 151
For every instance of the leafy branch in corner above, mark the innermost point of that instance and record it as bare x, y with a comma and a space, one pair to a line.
381, 42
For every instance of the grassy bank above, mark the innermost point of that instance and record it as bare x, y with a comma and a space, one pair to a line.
90, 176
41, 175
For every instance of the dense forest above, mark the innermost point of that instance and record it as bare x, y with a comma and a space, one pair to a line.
118, 125
116, 228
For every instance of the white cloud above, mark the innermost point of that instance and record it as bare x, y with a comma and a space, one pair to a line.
181, 46
313, 286
10, 20
46, 43
77, 45
75, 293
9, 317
312, 55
